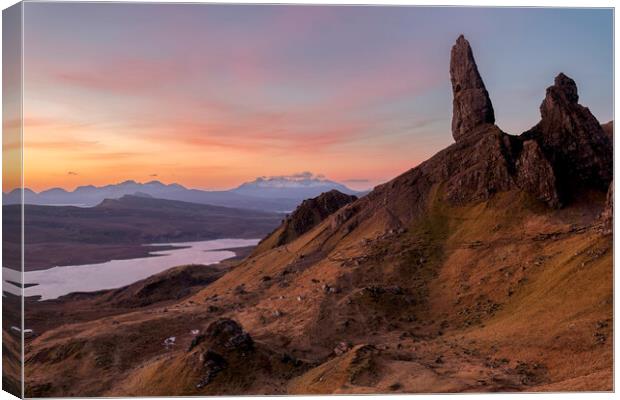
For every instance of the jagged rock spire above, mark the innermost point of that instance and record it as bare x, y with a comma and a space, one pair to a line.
564, 88
471, 106
572, 139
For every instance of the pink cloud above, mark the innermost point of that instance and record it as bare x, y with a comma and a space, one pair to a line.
125, 75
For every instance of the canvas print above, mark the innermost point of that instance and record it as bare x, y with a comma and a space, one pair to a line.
226, 199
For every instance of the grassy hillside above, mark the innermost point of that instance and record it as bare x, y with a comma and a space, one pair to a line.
497, 295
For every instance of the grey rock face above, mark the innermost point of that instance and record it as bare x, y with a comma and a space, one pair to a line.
471, 106
572, 140
535, 174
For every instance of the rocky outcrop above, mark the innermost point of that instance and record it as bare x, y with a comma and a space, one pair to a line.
223, 355
228, 334
572, 140
477, 167
471, 106
474, 169
306, 216
311, 212
535, 174
565, 153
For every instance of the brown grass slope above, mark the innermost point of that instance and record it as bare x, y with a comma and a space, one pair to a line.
497, 295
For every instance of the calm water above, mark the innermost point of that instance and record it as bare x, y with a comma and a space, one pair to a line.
58, 281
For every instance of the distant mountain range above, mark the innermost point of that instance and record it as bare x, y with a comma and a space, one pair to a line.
281, 193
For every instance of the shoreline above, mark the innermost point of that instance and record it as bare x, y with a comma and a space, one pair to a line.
99, 254
86, 278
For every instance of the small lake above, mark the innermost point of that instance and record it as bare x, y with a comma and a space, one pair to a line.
58, 281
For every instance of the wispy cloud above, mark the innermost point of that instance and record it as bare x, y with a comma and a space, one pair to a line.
215, 95
65, 145
108, 156
120, 75
300, 176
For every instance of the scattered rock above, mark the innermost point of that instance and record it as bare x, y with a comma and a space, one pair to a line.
600, 338
342, 348
240, 289
213, 309
343, 215
289, 359
531, 373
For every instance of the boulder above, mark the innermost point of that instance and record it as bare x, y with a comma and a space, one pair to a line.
341, 348
228, 334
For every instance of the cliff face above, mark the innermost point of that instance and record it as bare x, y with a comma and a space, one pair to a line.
307, 215
310, 213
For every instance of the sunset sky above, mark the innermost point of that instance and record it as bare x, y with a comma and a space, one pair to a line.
211, 96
